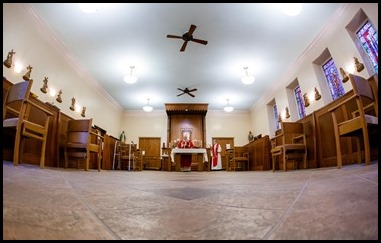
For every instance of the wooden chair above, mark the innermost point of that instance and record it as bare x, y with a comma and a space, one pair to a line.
138, 160
230, 159
355, 123
79, 144
16, 115
130, 160
289, 144
127, 157
237, 159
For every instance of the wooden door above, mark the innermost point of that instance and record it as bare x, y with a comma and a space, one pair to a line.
151, 155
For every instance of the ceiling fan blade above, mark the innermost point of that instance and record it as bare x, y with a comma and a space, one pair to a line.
174, 36
191, 29
180, 89
191, 94
184, 46
180, 94
192, 90
200, 41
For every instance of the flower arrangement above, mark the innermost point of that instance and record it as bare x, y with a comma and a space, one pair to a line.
197, 143
175, 143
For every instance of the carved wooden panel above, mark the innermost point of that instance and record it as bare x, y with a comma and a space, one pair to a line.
310, 133
326, 137
62, 134
108, 152
186, 109
186, 116
259, 153
192, 122
166, 164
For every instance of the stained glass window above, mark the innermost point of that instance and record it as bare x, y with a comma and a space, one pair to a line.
334, 81
299, 102
369, 40
277, 124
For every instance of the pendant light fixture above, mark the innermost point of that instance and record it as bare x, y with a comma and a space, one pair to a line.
89, 7
130, 79
291, 9
246, 79
147, 108
228, 108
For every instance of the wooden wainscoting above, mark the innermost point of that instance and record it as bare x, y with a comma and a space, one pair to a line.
108, 152
310, 133
259, 153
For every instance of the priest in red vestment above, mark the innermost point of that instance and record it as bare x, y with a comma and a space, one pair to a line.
216, 156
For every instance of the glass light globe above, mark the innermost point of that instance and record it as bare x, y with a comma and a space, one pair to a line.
147, 108
228, 108
130, 79
291, 9
89, 7
247, 79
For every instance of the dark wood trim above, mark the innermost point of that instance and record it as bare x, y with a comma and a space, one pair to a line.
186, 109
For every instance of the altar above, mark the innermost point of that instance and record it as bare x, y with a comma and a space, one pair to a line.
201, 153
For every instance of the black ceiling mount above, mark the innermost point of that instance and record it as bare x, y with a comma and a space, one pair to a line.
188, 36
187, 91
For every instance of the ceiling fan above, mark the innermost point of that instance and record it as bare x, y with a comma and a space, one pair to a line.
186, 91
188, 36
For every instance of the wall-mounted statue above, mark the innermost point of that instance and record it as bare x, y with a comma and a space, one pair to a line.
72, 107
26, 76
8, 61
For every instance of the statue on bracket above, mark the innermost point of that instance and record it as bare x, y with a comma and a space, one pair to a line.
359, 65
44, 88
59, 99
26, 76
250, 137
72, 107
83, 114
8, 61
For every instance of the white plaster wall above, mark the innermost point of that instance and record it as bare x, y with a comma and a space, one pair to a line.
137, 124
234, 124
260, 124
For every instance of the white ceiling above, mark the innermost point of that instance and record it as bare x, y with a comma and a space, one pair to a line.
119, 35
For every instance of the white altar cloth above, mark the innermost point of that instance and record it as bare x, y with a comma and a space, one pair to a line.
189, 151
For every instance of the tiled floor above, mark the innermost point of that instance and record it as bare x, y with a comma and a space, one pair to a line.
326, 203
